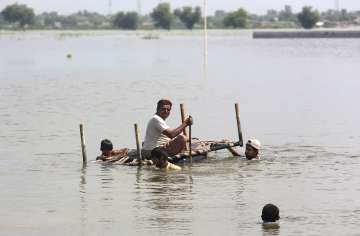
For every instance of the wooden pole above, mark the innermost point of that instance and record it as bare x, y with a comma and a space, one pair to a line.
83, 147
238, 125
138, 147
182, 111
190, 154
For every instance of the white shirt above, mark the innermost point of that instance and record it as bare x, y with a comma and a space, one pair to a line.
154, 136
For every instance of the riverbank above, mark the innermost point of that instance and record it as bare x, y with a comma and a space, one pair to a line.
334, 33
155, 34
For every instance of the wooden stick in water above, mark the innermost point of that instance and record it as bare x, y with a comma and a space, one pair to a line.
238, 125
182, 110
138, 147
190, 154
83, 147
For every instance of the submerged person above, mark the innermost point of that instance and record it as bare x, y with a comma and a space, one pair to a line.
120, 156
252, 149
160, 159
108, 152
159, 134
270, 215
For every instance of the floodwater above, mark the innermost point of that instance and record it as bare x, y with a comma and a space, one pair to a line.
298, 96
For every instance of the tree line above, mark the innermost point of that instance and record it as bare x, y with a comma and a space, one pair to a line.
162, 16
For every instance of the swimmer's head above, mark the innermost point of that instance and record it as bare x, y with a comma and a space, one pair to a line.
252, 149
270, 213
159, 157
106, 147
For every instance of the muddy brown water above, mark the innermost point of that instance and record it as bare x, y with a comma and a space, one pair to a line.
298, 96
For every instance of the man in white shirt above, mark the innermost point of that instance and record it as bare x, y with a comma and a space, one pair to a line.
159, 134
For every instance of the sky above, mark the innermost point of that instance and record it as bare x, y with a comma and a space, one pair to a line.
102, 6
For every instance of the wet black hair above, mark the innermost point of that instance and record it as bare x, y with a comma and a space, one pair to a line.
106, 145
159, 153
270, 213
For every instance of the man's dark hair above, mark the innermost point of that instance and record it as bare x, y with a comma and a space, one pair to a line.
163, 102
106, 144
270, 213
159, 152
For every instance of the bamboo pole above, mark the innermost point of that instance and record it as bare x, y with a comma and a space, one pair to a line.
190, 154
138, 147
241, 143
182, 111
83, 147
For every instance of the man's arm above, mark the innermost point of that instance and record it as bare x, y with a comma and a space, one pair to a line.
172, 133
123, 152
234, 152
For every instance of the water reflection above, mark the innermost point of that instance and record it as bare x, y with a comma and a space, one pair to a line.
273, 230
107, 193
167, 198
83, 201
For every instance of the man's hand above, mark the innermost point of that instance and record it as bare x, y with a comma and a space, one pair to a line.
189, 121
172, 133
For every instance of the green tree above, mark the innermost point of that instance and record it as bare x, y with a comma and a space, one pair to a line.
345, 15
69, 22
48, 19
271, 15
236, 19
189, 16
162, 16
217, 21
287, 14
128, 20
19, 13
2, 21
308, 17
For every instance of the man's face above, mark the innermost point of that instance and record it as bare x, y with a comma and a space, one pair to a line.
164, 111
155, 161
158, 162
106, 153
250, 152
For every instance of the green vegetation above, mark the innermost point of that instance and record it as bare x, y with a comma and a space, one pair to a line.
287, 14
18, 14
162, 16
79, 20
128, 20
189, 16
308, 17
236, 19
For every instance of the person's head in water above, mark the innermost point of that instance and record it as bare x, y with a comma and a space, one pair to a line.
252, 149
270, 213
159, 157
106, 147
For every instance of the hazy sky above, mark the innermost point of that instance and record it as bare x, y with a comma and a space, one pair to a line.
102, 6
